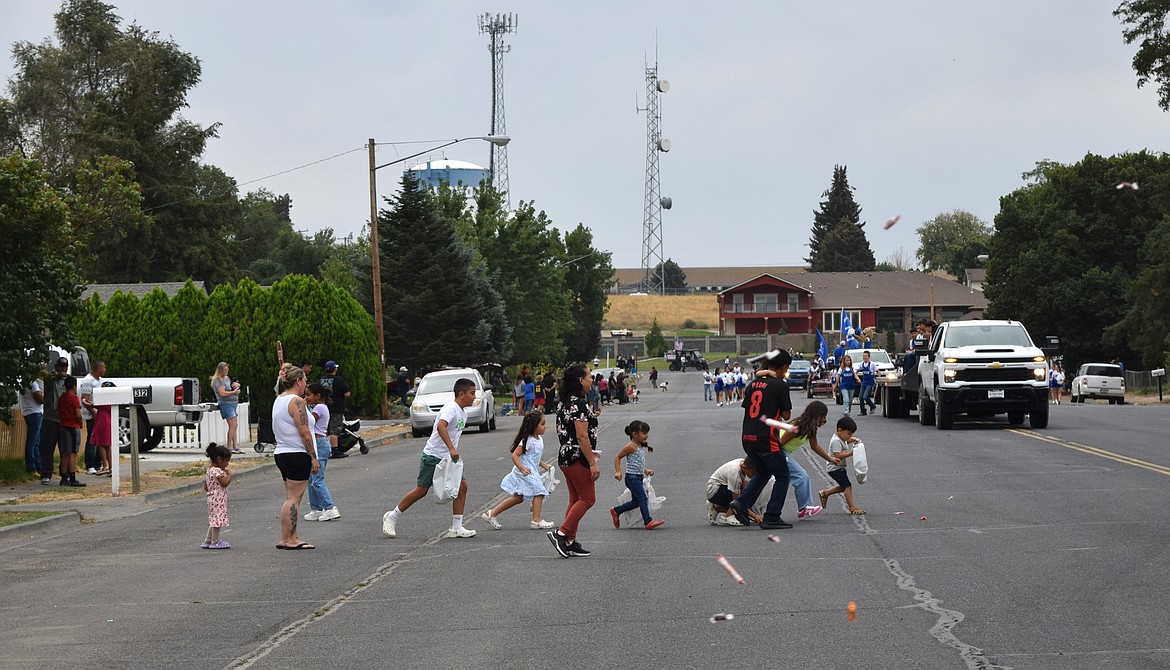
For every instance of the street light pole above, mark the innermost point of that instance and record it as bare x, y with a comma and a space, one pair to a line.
497, 140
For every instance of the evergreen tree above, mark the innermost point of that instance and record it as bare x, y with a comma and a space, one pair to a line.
838, 207
845, 249
655, 342
587, 278
673, 278
438, 305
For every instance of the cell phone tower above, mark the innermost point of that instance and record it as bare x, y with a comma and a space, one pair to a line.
497, 26
655, 203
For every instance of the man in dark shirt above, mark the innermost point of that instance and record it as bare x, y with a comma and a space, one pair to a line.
549, 386
339, 391
765, 397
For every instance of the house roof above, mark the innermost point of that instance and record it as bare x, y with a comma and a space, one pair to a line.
834, 290
107, 291
713, 276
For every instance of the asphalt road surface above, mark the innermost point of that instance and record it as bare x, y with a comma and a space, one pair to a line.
1039, 549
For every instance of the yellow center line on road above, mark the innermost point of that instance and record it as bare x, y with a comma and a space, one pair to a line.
1094, 451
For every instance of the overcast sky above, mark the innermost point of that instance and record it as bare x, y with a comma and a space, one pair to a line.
932, 106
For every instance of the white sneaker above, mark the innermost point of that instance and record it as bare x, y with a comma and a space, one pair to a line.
543, 525
388, 525
329, 514
487, 516
727, 520
719, 404
91, 471
314, 515
462, 532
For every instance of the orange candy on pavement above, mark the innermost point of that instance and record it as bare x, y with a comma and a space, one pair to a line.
852, 611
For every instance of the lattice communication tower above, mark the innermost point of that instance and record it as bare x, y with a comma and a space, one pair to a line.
497, 26
655, 203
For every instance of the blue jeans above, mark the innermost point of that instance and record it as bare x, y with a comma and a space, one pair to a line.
847, 399
528, 402
707, 392
767, 465
319, 496
32, 441
800, 484
638, 498
867, 397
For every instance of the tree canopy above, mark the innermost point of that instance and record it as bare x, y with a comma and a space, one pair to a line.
1068, 247
587, 278
953, 241
846, 249
1145, 23
39, 282
671, 275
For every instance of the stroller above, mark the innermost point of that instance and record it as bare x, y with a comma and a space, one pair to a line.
348, 438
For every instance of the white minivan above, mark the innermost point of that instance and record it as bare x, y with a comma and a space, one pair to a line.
437, 389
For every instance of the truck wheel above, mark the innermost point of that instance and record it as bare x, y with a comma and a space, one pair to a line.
1016, 416
1121, 401
416, 432
943, 419
152, 440
925, 411
1038, 418
485, 427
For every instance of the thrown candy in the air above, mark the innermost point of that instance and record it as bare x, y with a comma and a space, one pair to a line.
722, 616
1127, 184
780, 425
730, 570
892, 220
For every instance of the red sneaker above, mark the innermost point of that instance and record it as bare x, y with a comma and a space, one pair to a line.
654, 524
617, 522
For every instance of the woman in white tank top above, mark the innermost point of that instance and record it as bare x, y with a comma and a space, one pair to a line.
295, 453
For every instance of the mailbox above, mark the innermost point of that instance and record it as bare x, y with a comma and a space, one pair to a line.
1159, 372
113, 395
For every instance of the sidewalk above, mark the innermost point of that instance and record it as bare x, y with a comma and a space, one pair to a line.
104, 508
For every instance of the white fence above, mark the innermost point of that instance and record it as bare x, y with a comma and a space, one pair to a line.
211, 428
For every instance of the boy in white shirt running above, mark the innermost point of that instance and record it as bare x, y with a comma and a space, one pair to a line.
444, 441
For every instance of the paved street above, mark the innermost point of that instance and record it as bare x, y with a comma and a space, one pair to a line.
1040, 549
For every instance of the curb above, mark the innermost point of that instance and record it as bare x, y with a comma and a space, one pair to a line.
45, 524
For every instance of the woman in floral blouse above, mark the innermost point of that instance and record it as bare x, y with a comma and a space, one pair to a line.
577, 432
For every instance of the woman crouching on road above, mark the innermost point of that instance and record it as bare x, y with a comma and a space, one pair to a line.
296, 453
577, 432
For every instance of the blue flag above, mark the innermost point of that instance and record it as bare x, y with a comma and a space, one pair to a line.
823, 347
845, 324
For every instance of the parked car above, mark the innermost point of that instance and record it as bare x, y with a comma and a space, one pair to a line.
436, 389
621, 332
798, 374
1099, 380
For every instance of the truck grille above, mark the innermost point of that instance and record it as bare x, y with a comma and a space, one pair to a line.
992, 375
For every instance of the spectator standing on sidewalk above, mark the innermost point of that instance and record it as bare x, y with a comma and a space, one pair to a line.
32, 408
403, 385
227, 394
89, 413
51, 426
339, 393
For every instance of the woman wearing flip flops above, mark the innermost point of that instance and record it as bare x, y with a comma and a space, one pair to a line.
296, 453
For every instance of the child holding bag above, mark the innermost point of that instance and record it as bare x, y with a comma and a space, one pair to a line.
636, 471
839, 447
524, 480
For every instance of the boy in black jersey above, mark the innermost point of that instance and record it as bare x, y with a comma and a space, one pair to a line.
765, 397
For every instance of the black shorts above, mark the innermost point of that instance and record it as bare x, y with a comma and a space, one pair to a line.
841, 477
722, 497
294, 467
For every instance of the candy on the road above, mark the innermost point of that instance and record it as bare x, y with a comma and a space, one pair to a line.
898, 513
922, 518
722, 616
730, 570
851, 612
773, 538
892, 220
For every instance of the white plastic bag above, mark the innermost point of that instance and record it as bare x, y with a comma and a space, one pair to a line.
655, 500
549, 479
860, 465
633, 517
448, 475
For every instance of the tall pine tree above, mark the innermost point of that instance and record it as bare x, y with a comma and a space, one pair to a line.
438, 305
839, 208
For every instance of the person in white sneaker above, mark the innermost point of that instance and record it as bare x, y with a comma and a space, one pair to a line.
444, 442
321, 503
524, 479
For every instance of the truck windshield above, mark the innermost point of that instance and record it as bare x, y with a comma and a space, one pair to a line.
999, 335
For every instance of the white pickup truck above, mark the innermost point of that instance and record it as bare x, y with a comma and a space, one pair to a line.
159, 401
982, 368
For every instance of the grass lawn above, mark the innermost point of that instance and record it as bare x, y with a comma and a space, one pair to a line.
12, 471
639, 311
13, 518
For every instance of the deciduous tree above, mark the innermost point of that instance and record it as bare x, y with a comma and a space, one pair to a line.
1145, 23
952, 241
587, 277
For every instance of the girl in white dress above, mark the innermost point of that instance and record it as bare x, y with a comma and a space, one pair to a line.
524, 479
